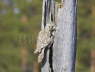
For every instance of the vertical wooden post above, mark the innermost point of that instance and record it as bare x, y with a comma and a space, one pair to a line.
64, 50
45, 68
47, 6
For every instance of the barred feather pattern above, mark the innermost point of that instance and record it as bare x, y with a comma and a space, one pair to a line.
45, 38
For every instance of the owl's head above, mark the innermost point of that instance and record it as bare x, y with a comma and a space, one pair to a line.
49, 26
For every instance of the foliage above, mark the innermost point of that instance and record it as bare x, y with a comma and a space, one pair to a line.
15, 29
86, 34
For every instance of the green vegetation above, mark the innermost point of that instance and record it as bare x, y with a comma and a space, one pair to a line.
15, 29
86, 34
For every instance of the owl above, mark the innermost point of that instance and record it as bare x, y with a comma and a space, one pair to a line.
44, 40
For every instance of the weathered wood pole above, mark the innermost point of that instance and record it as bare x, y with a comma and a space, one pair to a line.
64, 48
47, 6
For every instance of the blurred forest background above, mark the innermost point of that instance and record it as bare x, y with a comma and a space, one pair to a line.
20, 22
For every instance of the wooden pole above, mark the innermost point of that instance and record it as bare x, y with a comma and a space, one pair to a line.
64, 50
61, 58
47, 6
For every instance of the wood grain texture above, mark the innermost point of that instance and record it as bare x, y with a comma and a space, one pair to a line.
64, 49
46, 18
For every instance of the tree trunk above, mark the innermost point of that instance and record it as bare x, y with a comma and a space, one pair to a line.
47, 6
24, 56
23, 52
36, 67
61, 58
64, 50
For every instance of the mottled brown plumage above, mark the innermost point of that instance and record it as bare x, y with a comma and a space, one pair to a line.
45, 38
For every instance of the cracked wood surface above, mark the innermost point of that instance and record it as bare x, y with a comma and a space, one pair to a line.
64, 48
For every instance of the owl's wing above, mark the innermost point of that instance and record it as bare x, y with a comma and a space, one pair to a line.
42, 41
